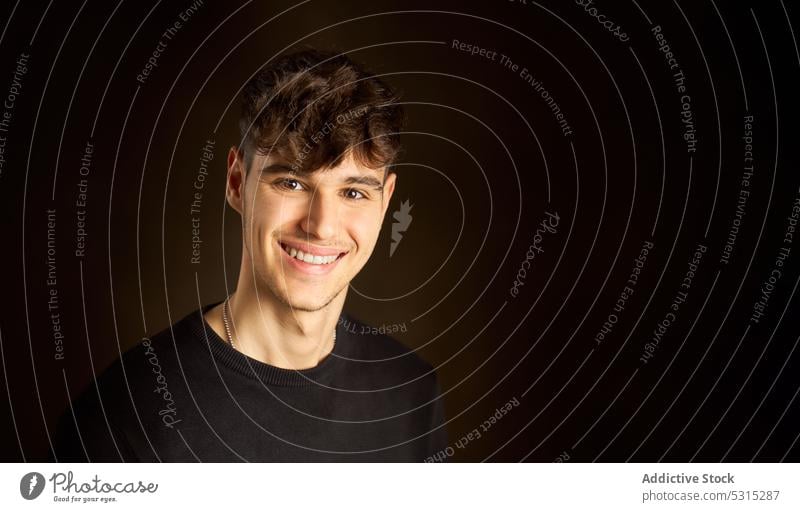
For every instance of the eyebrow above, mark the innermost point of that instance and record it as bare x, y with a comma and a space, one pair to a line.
366, 180
276, 168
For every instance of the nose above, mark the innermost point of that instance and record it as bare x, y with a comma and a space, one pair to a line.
321, 219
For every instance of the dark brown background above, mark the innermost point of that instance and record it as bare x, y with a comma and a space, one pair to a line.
488, 346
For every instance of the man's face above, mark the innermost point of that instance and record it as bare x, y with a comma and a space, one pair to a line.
331, 219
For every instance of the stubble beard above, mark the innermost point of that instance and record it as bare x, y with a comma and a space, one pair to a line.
296, 303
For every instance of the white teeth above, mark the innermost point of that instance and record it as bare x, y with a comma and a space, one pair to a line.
310, 258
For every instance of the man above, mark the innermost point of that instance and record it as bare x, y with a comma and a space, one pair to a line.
276, 371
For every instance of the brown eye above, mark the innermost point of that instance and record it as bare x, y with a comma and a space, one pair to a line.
288, 184
354, 194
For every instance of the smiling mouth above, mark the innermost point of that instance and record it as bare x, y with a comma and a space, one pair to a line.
311, 258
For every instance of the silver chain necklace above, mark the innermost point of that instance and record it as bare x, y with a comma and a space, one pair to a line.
228, 327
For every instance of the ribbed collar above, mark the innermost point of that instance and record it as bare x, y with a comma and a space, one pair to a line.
268, 374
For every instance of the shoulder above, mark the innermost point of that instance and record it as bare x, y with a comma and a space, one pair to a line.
410, 385
378, 343
138, 371
100, 420
376, 353
155, 354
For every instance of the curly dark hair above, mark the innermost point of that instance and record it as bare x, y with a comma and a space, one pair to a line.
311, 109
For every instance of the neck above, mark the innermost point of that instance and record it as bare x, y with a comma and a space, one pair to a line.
268, 330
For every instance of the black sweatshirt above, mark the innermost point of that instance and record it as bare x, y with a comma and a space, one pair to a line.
186, 395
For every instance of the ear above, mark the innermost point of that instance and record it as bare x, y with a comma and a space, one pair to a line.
388, 190
236, 178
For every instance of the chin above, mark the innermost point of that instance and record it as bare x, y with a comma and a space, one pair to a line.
305, 298
309, 308
306, 305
